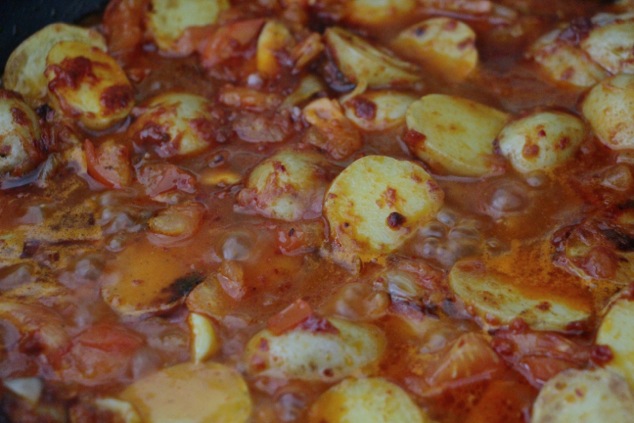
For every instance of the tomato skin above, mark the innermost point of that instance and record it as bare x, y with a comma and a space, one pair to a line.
163, 177
223, 42
123, 25
109, 163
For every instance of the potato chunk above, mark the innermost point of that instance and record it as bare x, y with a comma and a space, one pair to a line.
366, 65
444, 45
377, 12
542, 140
332, 350
289, 185
610, 43
168, 19
274, 38
615, 331
609, 107
178, 124
454, 134
24, 72
497, 298
378, 110
19, 132
377, 203
86, 83
192, 393
371, 400
584, 396
205, 340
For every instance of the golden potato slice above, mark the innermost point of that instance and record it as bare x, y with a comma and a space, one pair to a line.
123, 410
378, 110
205, 340
289, 185
497, 298
308, 86
584, 396
144, 279
377, 12
168, 19
542, 140
371, 400
87, 84
19, 133
191, 393
377, 203
178, 124
338, 349
24, 72
610, 43
274, 38
364, 64
565, 62
444, 45
454, 134
609, 107
615, 331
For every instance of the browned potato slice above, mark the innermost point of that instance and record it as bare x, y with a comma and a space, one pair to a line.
377, 203
364, 64
342, 349
609, 107
168, 19
378, 110
192, 393
610, 43
377, 12
371, 400
445, 45
454, 134
179, 123
24, 72
274, 39
144, 279
584, 396
289, 186
204, 339
86, 83
19, 133
542, 140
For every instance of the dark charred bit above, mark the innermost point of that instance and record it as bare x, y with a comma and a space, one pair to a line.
363, 108
627, 205
601, 354
622, 241
116, 98
29, 249
578, 30
45, 112
182, 286
19, 116
395, 220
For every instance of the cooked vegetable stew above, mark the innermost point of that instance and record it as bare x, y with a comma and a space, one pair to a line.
320, 211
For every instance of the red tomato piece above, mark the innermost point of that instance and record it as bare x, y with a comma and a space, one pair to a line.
109, 163
290, 317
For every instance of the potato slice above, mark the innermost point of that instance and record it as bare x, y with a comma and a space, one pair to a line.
289, 185
377, 12
144, 279
584, 396
86, 83
610, 42
24, 72
337, 350
19, 134
542, 140
615, 331
123, 410
377, 203
609, 107
274, 38
364, 64
497, 297
205, 340
191, 393
178, 124
168, 19
565, 62
454, 134
378, 110
371, 400
444, 45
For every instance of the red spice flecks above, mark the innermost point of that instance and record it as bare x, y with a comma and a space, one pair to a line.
116, 97
71, 72
530, 150
601, 354
413, 138
318, 324
363, 108
19, 116
153, 133
205, 128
